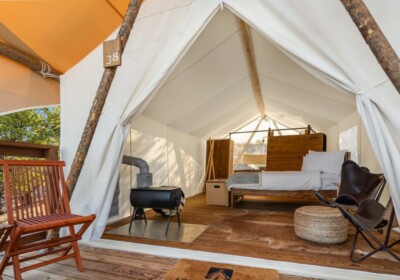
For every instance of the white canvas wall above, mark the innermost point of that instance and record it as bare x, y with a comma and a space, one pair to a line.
366, 155
332, 138
174, 158
185, 161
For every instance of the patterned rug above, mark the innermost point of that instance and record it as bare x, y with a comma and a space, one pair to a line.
196, 270
275, 230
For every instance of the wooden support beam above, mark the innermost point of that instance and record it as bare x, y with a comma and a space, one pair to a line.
34, 63
251, 63
277, 128
100, 99
375, 39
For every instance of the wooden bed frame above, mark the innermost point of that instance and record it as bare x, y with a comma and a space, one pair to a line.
237, 194
285, 153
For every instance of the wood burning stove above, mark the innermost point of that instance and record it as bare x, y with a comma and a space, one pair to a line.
164, 197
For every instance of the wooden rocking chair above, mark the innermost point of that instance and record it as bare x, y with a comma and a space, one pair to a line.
37, 201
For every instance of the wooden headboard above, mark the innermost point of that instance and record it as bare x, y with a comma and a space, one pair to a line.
286, 153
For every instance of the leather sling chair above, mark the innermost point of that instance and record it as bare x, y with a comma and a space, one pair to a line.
357, 184
372, 217
37, 201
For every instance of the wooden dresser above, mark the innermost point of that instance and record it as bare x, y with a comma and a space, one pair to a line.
222, 157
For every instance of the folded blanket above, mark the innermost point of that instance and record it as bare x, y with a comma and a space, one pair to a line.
243, 179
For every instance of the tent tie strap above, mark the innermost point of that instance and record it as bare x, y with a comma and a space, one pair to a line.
362, 91
46, 70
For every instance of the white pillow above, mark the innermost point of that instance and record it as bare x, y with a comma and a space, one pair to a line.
329, 162
306, 163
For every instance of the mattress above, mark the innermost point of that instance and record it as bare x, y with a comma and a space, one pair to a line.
284, 181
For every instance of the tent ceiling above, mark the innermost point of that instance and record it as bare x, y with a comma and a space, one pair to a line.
203, 96
208, 94
211, 86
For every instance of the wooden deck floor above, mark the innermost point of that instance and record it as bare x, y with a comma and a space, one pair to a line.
259, 229
104, 264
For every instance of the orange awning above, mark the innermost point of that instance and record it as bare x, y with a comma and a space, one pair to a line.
60, 32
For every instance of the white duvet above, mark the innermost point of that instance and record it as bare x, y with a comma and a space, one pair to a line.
291, 181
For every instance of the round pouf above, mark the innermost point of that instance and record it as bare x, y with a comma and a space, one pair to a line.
320, 224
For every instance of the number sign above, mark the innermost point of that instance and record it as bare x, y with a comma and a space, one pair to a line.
112, 53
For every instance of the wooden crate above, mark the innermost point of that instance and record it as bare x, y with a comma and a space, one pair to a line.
217, 193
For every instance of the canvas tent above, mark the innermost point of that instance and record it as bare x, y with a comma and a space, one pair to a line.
318, 36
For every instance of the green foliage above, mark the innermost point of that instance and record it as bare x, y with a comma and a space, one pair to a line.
38, 126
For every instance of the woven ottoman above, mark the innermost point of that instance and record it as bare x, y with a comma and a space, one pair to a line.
320, 224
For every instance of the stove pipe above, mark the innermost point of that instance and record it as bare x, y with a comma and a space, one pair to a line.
144, 178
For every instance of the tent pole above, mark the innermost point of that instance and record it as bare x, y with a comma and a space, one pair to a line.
375, 39
34, 63
100, 99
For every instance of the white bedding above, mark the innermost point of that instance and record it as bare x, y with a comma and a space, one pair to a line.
330, 181
292, 181
320, 171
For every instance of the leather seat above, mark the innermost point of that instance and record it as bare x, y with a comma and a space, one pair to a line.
357, 184
371, 217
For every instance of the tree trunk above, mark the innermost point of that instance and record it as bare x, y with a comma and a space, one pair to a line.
100, 99
375, 39
34, 63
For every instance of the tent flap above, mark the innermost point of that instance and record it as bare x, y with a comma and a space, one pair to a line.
160, 40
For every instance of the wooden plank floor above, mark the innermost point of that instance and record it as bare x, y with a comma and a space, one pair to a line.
109, 265
230, 232
102, 264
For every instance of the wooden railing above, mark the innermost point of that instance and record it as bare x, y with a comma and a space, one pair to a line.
19, 149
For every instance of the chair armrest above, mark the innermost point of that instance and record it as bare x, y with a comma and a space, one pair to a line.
5, 226
5, 230
323, 199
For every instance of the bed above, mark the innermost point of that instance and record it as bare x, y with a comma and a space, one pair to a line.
320, 171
